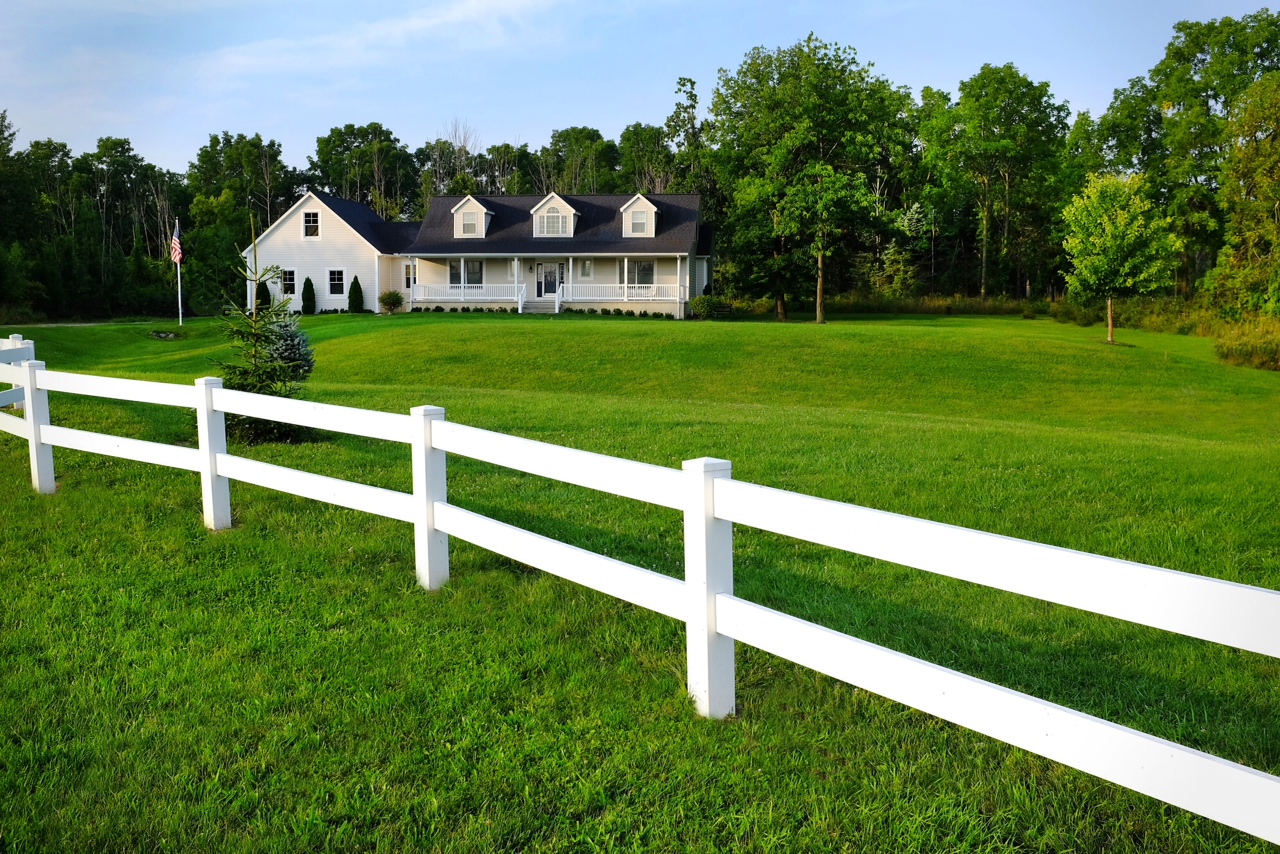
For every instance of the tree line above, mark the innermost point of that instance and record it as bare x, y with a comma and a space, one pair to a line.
821, 176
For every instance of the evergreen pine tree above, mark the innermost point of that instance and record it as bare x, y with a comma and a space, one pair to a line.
355, 297
308, 297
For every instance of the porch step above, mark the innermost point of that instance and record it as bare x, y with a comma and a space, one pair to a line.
539, 306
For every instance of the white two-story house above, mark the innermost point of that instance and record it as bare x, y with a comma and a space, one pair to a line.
524, 253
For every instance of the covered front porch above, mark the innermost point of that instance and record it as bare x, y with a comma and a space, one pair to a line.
547, 283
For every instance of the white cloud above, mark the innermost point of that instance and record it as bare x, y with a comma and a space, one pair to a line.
458, 26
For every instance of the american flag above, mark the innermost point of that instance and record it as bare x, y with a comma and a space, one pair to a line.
175, 245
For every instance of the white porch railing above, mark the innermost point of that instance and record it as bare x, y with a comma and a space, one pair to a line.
621, 293
467, 293
712, 502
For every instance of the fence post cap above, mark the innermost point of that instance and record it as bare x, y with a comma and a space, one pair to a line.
707, 464
209, 382
436, 413
37, 364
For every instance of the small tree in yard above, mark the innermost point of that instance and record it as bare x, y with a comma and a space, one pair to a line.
1117, 243
355, 297
308, 296
391, 301
273, 355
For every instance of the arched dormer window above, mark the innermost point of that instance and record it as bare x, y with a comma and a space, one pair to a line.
552, 223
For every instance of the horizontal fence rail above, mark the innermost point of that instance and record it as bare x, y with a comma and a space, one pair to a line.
629, 479
322, 416
1224, 791
1193, 605
711, 503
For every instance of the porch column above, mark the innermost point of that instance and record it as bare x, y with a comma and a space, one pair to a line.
678, 277
626, 262
569, 284
377, 282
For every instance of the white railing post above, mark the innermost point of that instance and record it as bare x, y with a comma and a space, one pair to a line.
211, 428
36, 405
14, 342
431, 545
708, 562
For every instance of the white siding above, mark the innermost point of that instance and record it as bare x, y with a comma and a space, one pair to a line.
651, 221
338, 248
482, 220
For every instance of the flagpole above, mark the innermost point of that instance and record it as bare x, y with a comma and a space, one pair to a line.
175, 252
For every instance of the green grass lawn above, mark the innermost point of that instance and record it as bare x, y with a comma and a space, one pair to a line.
286, 686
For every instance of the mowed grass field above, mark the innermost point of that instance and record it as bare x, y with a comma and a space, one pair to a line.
286, 686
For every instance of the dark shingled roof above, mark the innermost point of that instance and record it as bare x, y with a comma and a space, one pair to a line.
599, 228
389, 238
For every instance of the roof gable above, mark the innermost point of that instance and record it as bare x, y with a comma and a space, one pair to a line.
548, 199
639, 199
385, 238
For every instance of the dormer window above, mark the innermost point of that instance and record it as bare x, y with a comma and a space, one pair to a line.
311, 224
553, 217
552, 223
639, 217
470, 218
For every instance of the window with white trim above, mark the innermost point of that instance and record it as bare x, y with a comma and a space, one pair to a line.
288, 278
475, 271
469, 226
639, 222
410, 276
637, 271
586, 270
455, 271
311, 224
552, 223
337, 282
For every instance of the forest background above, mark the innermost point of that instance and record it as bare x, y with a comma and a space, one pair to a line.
807, 162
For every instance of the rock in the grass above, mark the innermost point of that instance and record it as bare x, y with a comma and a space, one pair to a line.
164, 336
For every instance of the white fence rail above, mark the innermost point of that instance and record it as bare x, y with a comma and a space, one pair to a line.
711, 501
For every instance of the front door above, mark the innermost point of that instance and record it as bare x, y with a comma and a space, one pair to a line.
550, 277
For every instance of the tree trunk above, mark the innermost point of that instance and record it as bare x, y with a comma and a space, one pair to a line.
821, 318
1111, 324
780, 305
986, 235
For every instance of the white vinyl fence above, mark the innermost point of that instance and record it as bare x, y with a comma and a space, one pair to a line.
712, 502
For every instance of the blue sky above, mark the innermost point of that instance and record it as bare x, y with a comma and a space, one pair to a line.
167, 73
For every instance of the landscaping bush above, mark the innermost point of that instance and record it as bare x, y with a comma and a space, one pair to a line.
355, 297
438, 308
1255, 344
591, 311
308, 296
453, 309
391, 301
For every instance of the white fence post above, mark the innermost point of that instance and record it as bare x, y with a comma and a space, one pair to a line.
708, 562
37, 407
14, 342
211, 427
431, 546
